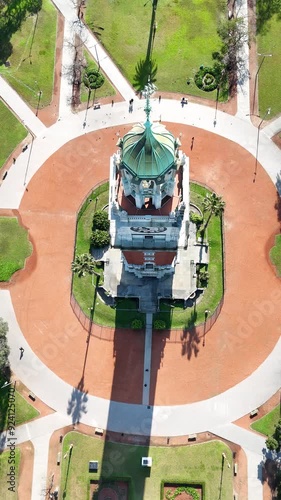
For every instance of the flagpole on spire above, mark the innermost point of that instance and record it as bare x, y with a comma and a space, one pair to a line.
149, 89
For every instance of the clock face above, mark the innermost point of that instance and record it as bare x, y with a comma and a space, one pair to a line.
149, 230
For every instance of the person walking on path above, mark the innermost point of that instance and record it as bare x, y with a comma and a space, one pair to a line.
21, 352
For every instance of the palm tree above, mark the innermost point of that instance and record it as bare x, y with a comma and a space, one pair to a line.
93, 80
83, 264
214, 205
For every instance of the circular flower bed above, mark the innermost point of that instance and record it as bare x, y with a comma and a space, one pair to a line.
205, 79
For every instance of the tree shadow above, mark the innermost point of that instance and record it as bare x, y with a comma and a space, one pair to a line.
266, 9
190, 338
6, 50
277, 206
146, 71
269, 473
12, 21
77, 404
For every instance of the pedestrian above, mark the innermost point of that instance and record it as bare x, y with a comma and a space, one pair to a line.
112, 102
159, 99
21, 352
182, 102
192, 142
14, 160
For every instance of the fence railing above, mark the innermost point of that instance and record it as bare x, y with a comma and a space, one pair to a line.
95, 330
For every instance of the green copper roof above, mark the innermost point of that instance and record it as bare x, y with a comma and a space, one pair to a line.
148, 150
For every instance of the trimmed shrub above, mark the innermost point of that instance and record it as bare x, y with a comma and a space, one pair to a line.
203, 278
100, 220
206, 79
196, 219
100, 238
159, 324
136, 324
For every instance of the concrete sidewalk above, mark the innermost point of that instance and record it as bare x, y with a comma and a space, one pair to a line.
19, 107
70, 403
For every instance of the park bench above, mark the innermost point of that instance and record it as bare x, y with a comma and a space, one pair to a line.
254, 412
98, 431
31, 396
192, 437
97, 105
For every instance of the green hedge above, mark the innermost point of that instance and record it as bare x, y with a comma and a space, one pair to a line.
206, 79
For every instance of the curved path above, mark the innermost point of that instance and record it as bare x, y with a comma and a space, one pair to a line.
235, 346
237, 343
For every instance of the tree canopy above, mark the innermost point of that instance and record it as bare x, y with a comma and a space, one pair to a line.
100, 238
93, 79
4, 348
100, 220
83, 264
12, 14
213, 204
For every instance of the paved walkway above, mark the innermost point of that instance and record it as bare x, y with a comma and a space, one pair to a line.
164, 420
243, 87
213, 414
230, 127
20, 108
147, 359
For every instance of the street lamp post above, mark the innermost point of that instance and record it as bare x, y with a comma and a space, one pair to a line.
256, 78
268, 111
39, 94
6, 384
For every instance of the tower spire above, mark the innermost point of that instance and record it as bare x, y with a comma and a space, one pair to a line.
149, 89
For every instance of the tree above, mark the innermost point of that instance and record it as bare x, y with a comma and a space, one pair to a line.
83, 264
4, 348
234, 35
100, 238
271, 443
100, 220
214, 205
12, 14
265, 10
93, 80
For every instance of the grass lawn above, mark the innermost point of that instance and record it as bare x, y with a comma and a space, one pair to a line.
23, 410
266, 424
33, 57
269, 76
15, 247
105, 91
194, 463
275, 254
12, 132
5, 468
185, 38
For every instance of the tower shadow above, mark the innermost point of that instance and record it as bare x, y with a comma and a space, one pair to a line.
130, 425
146, 69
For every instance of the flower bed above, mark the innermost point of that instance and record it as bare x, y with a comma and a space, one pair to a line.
175, 491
